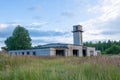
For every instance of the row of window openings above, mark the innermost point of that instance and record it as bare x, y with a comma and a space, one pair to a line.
28, 53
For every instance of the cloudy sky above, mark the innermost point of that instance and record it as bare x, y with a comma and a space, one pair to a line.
50, 21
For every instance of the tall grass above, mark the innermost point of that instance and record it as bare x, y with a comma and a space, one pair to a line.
69, 68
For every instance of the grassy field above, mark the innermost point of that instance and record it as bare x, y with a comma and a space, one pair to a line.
60, 68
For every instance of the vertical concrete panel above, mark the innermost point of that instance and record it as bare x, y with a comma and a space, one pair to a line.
66, 52
52, 52
80, 52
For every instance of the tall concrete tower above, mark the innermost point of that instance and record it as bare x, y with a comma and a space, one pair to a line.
77, 35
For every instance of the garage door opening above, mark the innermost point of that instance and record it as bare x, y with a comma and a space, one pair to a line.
60, 53
75, 52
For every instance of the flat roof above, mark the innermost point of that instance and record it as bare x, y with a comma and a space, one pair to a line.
51, 45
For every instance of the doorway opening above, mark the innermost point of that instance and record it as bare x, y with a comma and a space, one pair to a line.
84, 53
60, 53
75, 52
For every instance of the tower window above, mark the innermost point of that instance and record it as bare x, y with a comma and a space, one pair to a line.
76, 27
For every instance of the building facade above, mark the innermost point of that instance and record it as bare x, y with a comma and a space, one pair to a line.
59, 49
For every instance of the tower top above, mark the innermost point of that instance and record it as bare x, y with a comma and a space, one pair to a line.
77, 28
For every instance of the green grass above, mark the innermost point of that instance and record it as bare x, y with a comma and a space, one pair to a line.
60, 68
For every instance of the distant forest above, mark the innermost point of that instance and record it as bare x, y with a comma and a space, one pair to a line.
106, 47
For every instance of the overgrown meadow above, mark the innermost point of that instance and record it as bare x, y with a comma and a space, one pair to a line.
59, 68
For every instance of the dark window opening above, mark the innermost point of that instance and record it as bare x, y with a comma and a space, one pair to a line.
34, 53
84, 53
22, 53
75, 52
60, 53
76, 27
28, 53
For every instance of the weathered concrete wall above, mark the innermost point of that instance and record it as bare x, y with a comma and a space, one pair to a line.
77, 35
73, 47
53, 51
98, 52
91, 51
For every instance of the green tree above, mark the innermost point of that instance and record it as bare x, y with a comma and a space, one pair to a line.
103, 46
20, 39
115, 49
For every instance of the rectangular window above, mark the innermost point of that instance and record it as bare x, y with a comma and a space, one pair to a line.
76, 28
34, 53
22, 53
28, 53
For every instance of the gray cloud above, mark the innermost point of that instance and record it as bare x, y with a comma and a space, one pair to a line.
34, 8
110, 32
36, 17
68, 14
40, 41
36, 25
5, 34
36, 33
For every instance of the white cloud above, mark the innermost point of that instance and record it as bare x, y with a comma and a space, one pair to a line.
2, 39
108, 20
3, 26
38, 23
110, 10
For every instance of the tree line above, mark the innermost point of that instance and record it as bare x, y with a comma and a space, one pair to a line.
106, 47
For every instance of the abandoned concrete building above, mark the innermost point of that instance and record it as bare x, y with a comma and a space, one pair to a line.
60, 49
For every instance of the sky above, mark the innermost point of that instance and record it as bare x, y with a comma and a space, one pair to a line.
51, 21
